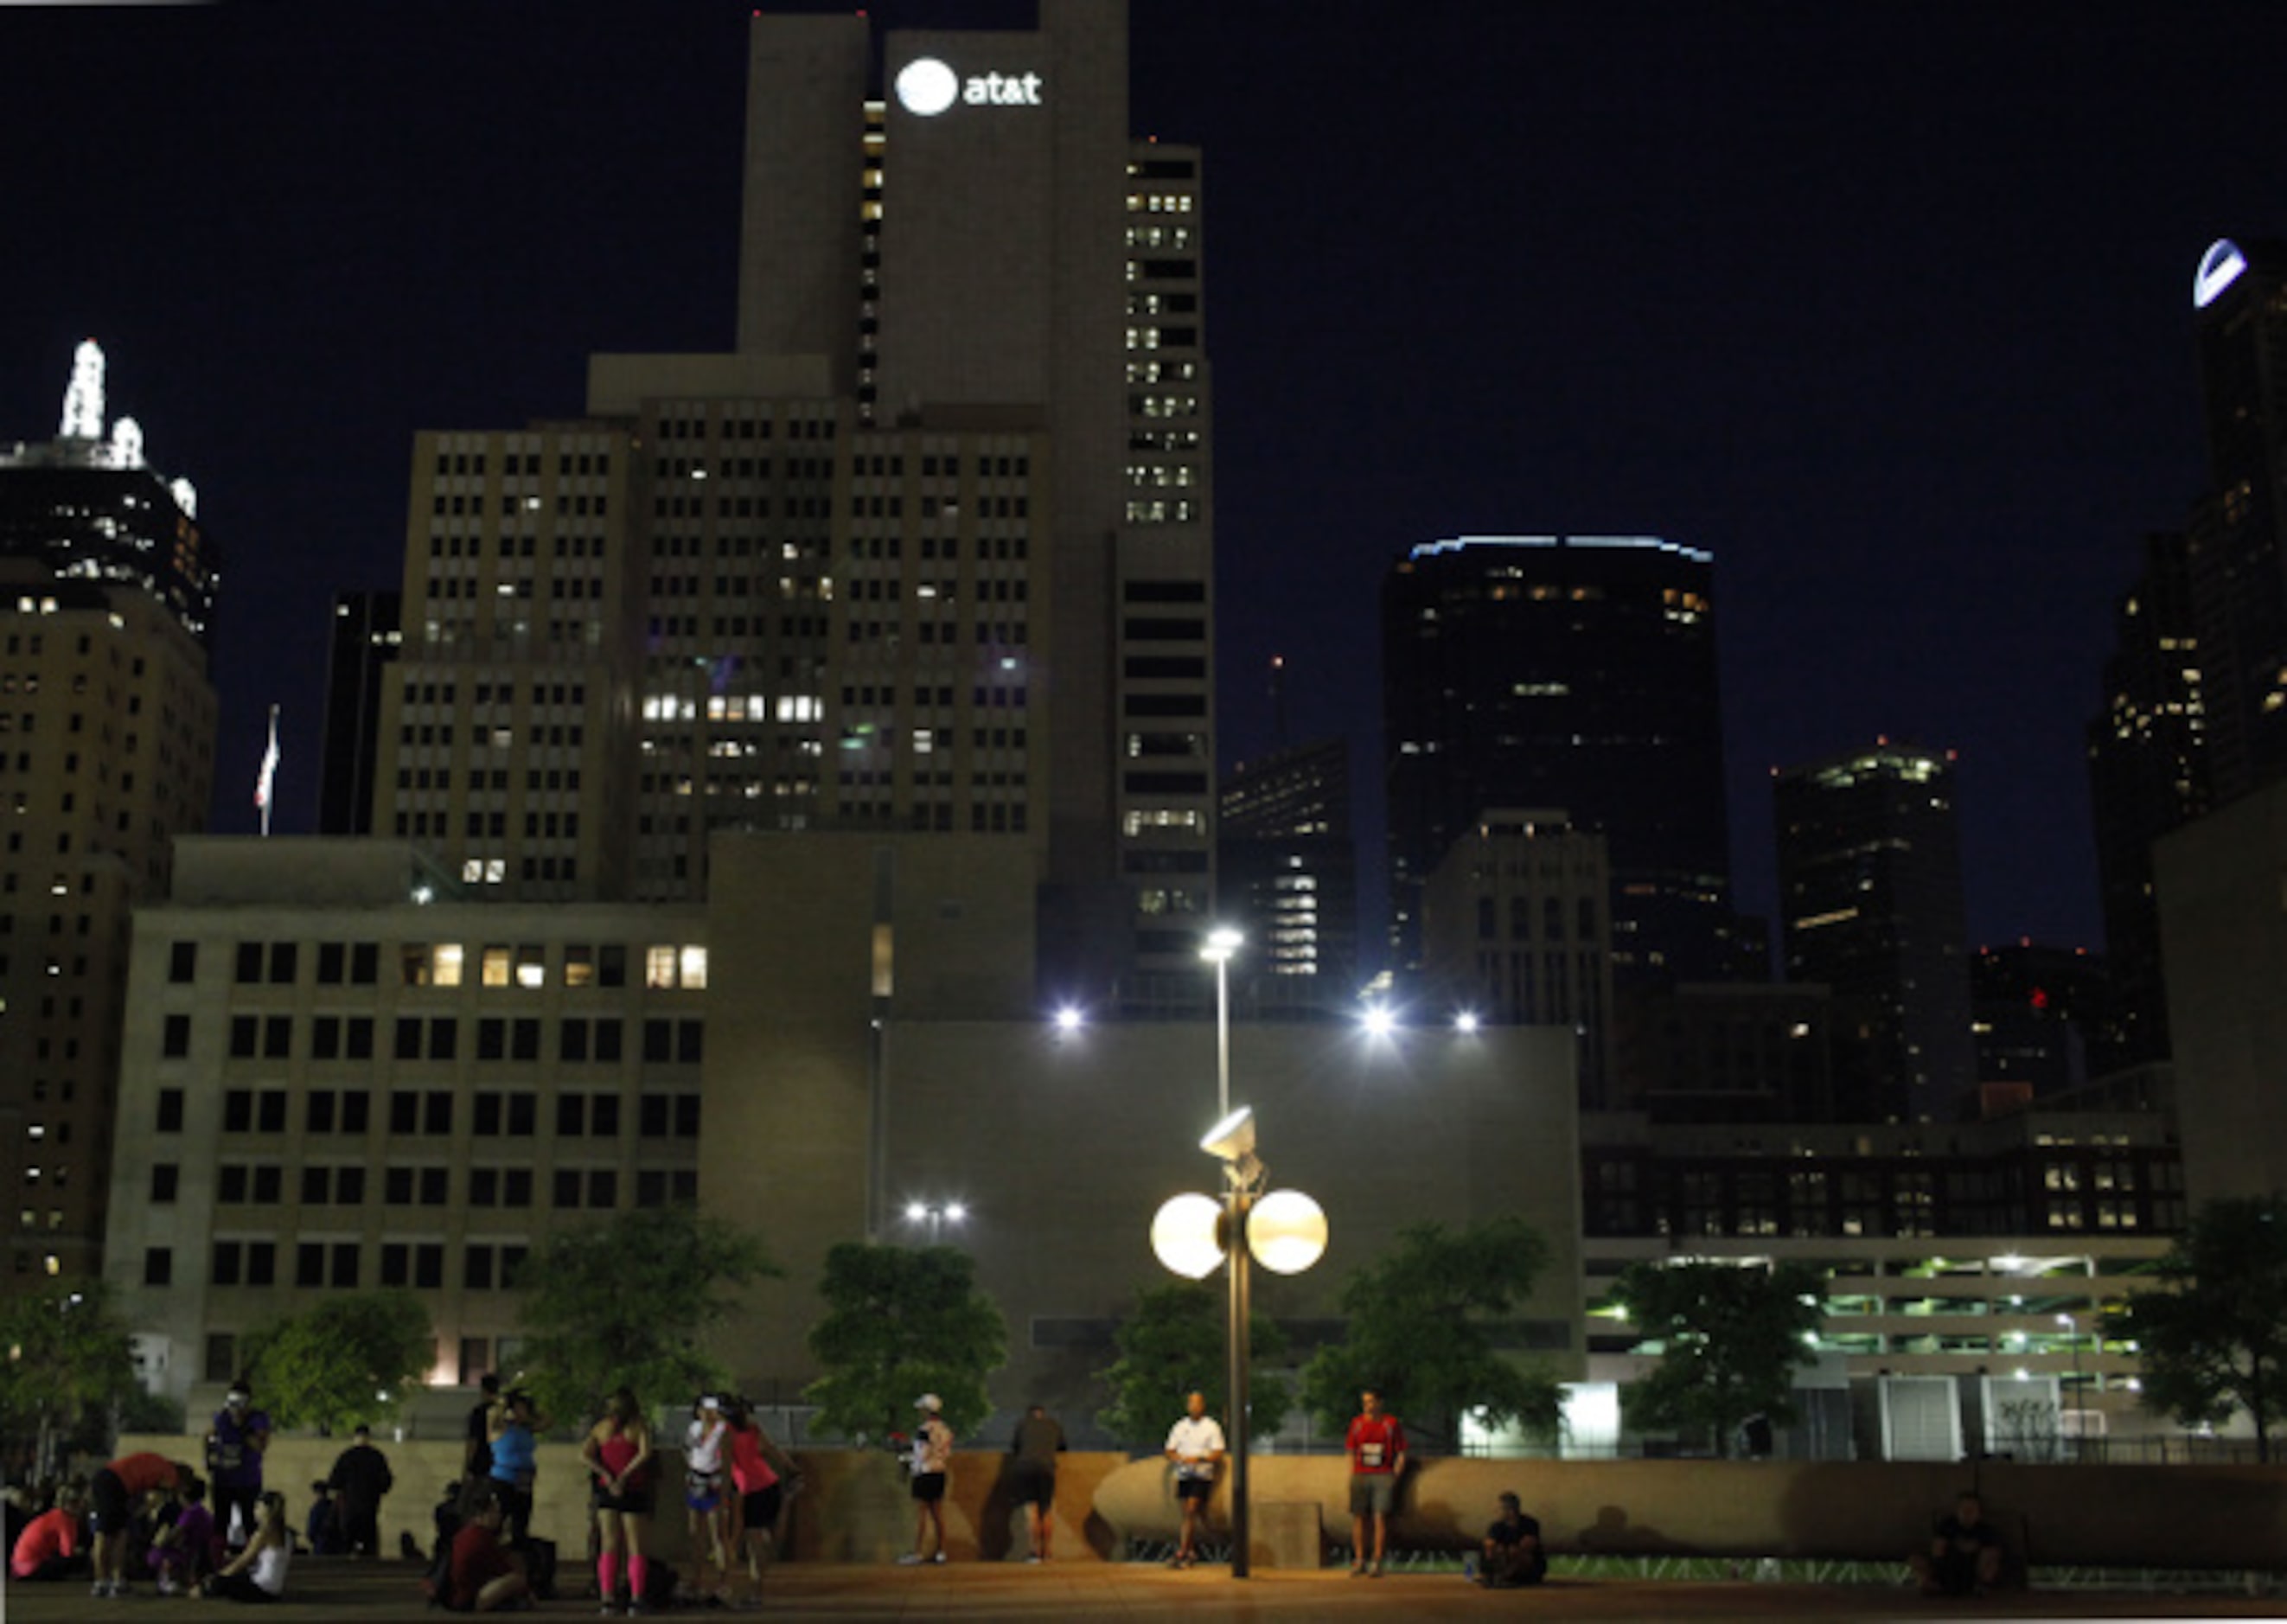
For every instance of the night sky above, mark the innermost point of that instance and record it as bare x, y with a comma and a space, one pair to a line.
1887, 304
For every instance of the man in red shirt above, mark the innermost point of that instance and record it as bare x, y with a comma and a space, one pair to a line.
1377, 1450
483, 1577
113, 1493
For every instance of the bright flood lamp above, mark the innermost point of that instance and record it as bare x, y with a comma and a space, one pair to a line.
1286, 1232
1221, 943
1184, 1235
1233, 1137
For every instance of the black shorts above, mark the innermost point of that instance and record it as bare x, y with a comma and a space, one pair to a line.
1194, 1488
636, 1501
109, 1502
1035, 1484
760, 1509
928, 1485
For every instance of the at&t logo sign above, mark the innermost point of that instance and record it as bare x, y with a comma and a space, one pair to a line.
928, 87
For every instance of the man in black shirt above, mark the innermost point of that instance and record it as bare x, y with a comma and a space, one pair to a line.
1965, 1553
361, 1476
1512, 1553
477, 1460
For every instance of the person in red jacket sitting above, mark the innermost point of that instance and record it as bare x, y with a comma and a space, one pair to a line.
483, 1576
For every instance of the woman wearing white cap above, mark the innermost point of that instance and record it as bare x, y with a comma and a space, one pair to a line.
932, 1453
703, 1495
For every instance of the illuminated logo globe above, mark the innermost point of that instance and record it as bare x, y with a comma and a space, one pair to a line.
927, 86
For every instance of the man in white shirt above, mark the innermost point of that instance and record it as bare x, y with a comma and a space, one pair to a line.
1195, 1444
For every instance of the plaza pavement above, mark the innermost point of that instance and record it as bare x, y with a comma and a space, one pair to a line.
330, 1591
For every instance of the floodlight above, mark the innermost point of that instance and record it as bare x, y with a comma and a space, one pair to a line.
1379, 1021
1184, 1235
1223, 941
1466, 1021
1286, 1232
1233, 1138
916, 1211
956, 1212
1069, 1019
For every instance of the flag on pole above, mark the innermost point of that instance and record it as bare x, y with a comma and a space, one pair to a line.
262, 783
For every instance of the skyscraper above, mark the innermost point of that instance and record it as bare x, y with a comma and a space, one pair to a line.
367, 632
106, 748
1564, 671
2147, 776
1870, 903
1289, 867
2239, 540
929, 551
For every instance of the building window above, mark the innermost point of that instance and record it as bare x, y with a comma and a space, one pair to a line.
158, 1265
166, 1176
170, 1110
175, 1038
182, 963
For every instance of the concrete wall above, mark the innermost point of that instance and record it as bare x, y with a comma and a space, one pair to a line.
2223, 1517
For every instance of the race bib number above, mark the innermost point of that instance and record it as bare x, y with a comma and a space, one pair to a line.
1369, 1454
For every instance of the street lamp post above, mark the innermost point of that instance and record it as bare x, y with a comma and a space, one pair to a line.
1221, 943
1284, 1230
936, 1216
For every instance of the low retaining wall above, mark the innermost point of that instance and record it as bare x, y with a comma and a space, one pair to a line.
2220, 1517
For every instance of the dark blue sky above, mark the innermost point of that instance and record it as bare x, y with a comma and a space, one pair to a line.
1887, 304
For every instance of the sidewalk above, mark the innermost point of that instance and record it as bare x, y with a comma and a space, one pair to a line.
327, 1591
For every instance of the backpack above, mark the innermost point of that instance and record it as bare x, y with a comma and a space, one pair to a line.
659, 1584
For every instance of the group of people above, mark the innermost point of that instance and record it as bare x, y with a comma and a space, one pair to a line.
1032, 1462
144, 1513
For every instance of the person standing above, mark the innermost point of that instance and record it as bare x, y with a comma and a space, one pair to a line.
1039, 1439
1195, 1443
932, 1458
704, 1494
1376, 1444
235, 1446
762, 1474
361, 1476
476, 1457
113, 1494
513, 1435
619, 1457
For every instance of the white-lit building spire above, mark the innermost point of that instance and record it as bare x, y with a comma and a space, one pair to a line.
83, 399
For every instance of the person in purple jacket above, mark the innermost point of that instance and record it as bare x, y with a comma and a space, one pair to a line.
235, 1446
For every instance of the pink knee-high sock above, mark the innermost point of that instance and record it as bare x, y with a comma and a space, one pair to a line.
607, 1575
639, 1571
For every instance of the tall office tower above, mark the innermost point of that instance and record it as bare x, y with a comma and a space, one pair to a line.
2147, 776
2238, 541
1287, 860
1515, 931
1870, 903
930, 549
1571, 671
367, 632
2035, 1009
107, 748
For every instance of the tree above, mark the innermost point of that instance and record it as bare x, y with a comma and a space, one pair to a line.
348, 1360
901, 1322
1425, 1322
67, 1358
1731, 1337
628, 1301
2213, 1341
1174, 1345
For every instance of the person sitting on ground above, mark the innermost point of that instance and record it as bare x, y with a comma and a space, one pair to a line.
1965, 1553
183, 1552
1512, 1553
53, 1545
485, 1576
323, 1526
258, 1573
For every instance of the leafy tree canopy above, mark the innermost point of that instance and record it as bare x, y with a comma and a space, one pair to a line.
64, 1356
628, 1302
346, 1361
1174, 1345
2213, 1341
901, 1322
1425, 1321
1732, 1338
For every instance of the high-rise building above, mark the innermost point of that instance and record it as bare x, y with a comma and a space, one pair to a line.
2239, 540
107, 750
929, 551
367, 632
1565, 672
1870, 903
1287, 860
1515, 931
2147, 775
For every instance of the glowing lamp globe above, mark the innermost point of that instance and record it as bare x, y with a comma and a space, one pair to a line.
1184, 1238
1286, 1232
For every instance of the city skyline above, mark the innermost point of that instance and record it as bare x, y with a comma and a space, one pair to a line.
1923, 285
